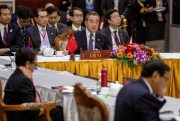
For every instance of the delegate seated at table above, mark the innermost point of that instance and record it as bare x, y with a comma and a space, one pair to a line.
141, 100
20, 89
90, 39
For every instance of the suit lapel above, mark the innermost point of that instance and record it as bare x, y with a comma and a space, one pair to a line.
84, 40
1, 41
121, 36
37, 36
108, 31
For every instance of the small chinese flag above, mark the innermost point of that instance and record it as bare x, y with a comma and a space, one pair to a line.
30, 45
72, 45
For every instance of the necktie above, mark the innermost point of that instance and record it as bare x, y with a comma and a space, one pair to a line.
23, 35
5, 36
45, 41
116, 38
90, 42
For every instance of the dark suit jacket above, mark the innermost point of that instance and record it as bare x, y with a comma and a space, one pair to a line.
34, 35
14, 38
82, 4
66, 28
60, 26
135, 103
152, 17
109, 4
101, 41
63, 17
122, 33
20, 89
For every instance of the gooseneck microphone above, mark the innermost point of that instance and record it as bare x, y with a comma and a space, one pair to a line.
9, 54
97, 44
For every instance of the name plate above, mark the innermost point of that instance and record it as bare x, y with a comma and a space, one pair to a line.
94, 54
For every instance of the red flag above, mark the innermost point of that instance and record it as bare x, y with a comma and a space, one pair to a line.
72, 45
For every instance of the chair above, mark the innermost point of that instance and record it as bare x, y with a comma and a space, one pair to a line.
23, 107
61, 40
90, 108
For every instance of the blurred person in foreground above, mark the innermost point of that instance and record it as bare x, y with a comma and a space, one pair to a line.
20, 89
141, 100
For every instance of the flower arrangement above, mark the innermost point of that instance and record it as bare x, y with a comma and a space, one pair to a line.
133, 53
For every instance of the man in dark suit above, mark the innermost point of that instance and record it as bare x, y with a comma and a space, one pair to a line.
115, 35
54, 17
76, 17
41, 35
23, 20
10, 37
120, 5
141, 100
88, 5
89, 38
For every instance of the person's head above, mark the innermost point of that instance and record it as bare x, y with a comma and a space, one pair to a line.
40, 16
113, 17
53, 15
157, 73
5, 15
48, 5
26, 57
92, 21
24, 16
76, 16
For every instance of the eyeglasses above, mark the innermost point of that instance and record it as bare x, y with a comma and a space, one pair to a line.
78, 15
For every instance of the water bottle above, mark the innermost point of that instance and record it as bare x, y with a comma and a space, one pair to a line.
104, 77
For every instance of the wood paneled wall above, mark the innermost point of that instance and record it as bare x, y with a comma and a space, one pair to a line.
34, 4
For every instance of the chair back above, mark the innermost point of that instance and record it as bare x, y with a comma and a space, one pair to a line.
61, 40
89, 107
24, 107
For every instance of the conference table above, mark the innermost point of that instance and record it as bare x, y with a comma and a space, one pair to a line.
116, 71
45, 79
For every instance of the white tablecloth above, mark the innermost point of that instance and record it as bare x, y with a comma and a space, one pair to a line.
44, 79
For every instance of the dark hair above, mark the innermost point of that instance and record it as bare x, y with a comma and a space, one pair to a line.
71, 12
91, 13
24, 12
36, 13
154, 65
23, 55
109, 12
52, 9
3, 7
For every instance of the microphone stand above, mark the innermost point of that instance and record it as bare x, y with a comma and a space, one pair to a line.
11, 64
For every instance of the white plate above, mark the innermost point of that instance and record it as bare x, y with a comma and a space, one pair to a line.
158, 9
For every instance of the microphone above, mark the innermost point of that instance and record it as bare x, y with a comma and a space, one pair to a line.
97, 44
12, 63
